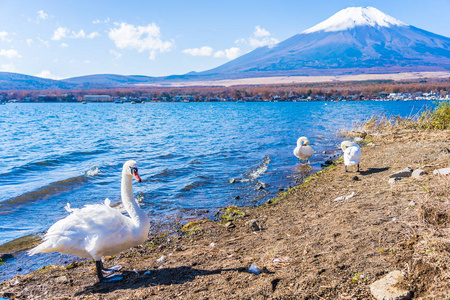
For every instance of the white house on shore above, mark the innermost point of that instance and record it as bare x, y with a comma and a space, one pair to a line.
97, 98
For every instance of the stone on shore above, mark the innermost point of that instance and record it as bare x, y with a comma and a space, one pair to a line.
395, 179
403, 173
384, 288
417, 173
444, 171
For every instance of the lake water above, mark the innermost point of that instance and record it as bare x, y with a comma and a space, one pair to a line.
53, 154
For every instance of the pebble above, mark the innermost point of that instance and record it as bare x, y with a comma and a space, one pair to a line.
403, 173
254, 269
161, 259
417, 173
394, 180
444, 171
232, 180
384, 288
253, 224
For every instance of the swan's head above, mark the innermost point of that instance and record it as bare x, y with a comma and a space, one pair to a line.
346, 144
302, 141
130, 168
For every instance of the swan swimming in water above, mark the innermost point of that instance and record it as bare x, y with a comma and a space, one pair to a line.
98, 230
352, 154
303, 151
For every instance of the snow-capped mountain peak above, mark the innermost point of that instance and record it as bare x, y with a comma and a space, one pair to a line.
355, 16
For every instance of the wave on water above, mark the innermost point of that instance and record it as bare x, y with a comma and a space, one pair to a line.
53, 162
254, 174
44, 193
92, 172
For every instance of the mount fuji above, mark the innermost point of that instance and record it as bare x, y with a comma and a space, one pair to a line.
356, 40
353, 41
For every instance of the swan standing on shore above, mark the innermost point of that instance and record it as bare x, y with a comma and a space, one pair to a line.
352, 154
99, 230
303, 151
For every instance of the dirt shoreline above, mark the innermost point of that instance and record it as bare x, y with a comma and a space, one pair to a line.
308, 243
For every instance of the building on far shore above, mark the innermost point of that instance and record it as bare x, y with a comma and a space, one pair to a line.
97, 98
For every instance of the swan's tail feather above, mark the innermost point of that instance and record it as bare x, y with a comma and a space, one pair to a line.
67, 207
45, 247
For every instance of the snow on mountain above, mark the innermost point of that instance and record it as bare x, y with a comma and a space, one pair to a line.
355, 16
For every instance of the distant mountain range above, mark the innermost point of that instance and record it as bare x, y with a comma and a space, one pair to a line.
356, 40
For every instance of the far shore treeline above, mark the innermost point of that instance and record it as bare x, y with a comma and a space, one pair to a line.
354, 90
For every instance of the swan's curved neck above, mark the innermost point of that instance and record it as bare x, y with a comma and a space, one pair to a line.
136, 213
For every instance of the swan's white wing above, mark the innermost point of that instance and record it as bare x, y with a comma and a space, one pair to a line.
85, 231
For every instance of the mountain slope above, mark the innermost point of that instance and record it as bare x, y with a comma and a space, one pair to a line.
355, 40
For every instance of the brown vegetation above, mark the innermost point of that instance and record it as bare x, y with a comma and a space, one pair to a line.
363, 89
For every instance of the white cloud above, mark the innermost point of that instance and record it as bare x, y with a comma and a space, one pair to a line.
116, 54
260, 38
230, 53
87, 61
47, 74
64, 45
29, 42
42, 15
203, 51
11, 53
266, 41
4, 36
99, 21
260, 32
60, 33
140, 38
78, 35
93, 35
45, 43
8, 68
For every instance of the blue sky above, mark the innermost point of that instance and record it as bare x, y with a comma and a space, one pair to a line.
68, 38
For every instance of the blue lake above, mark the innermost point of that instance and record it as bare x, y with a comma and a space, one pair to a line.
53, 154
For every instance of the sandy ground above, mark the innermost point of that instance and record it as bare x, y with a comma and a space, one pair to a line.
308, 243
307, 79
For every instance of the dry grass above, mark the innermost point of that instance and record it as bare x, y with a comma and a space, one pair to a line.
430, 119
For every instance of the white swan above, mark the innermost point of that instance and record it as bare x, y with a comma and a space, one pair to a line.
352, 154
98, 230
303, 151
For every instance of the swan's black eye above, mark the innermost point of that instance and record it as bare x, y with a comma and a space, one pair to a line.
133, 170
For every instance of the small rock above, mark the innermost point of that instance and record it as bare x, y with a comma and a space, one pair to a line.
253, 224
229, 225
161, 259
412, 203
237, 197
385, 289
232, 180
355, 178
19, 269
254, 269
394, 180
342, 198
212, 244
403, 173
417, 173
444, 171
62, 279
5, 257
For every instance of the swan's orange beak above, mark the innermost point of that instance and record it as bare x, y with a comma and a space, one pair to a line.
136, 175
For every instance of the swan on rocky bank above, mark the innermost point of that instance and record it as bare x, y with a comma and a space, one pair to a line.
98, 230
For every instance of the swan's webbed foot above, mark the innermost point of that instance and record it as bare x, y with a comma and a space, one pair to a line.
101, 271
112, 269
